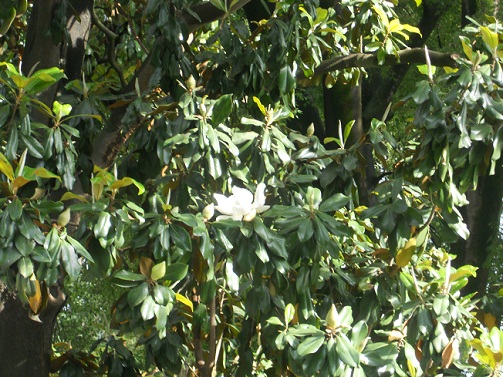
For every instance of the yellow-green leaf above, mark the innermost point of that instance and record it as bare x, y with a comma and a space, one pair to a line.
35, 301
158, 271
462, 272
450, 70
6, 168
411, 29
418, 2
382, 15
185, 301
260, 106
127, 181
404, 255
467, 48
489, 37
44, 173
70, 195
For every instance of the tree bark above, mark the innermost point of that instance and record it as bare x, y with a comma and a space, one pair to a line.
26, 344
482, 217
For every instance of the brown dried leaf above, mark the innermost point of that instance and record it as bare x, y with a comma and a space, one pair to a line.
146, 265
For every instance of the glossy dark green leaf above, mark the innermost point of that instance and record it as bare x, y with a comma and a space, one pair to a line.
136, 295
147, 309
8, 257
25, 266
129, 276
80, 249
310, 345
33, 145
180, 237
23, 245
70, 261
15, 209
176, 271
346, 352
162, 295
313, 363
222, 109
378, 354
102, 225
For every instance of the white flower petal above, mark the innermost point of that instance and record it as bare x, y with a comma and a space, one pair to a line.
262, 209
242, 195
224, 204
250, 216
259, 195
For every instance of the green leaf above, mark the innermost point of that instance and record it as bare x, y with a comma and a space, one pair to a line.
221, 109
129, 276
289, 313
379, 354
80, 249
180, 237
147, 309
137, 295
24, 245
70, 261
346, 351
162, 295
102, 225
15, 209
176, 271
334, 203
310, 345
8, 257
43, 78
25, 266
275, 321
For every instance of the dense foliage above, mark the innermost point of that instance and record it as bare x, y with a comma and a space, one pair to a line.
244, 246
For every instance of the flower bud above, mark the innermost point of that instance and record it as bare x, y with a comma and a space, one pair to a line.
332, 318
191, 83
209, 211
64, 217
310, 130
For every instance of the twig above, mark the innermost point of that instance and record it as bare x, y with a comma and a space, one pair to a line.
131, 25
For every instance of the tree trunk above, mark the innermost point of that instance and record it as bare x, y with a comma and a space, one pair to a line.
26, 344
482, 216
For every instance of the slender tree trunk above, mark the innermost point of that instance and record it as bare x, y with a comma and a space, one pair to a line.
25, 344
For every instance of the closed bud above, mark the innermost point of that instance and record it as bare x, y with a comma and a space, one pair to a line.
64, 217
191, 83
310, 130
332, 318
209, 211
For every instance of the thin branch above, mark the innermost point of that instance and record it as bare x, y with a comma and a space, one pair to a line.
212, 344
369, 60
133, 31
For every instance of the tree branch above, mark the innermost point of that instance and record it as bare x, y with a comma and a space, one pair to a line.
369, 60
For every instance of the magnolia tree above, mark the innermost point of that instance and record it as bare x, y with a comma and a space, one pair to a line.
164, 146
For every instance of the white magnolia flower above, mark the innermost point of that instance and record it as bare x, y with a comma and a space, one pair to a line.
241, 205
